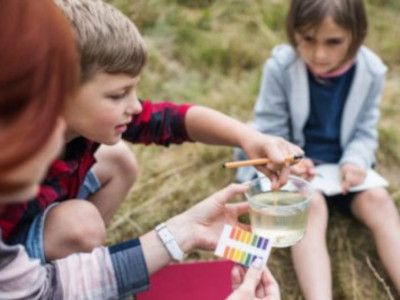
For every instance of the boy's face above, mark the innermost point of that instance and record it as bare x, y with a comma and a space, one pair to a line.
103, 108
325, 48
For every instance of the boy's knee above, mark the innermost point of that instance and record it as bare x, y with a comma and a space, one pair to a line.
120, 159
76, 226
88, 230
126, 162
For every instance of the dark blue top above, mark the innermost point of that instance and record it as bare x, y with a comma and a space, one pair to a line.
322, 129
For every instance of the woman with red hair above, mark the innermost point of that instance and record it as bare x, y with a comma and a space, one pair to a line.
38, 71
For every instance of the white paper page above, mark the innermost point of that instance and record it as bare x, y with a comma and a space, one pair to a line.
329, 182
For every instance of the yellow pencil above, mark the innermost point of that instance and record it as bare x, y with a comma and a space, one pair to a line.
259, 161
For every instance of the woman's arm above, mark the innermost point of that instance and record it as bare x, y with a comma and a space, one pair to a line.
122, 269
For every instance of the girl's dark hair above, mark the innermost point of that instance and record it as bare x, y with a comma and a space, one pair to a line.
348, 14
39, 69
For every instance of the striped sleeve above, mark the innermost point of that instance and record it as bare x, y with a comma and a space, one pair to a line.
105, 273
24, 278
130, 267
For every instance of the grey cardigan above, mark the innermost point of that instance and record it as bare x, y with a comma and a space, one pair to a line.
283, 105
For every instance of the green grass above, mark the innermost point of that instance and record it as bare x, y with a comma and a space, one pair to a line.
211, 53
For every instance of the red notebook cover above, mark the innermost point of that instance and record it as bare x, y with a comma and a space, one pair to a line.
198, 280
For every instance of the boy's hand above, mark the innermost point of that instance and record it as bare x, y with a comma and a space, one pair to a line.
257, 283
352, 175
305, 169
277, 149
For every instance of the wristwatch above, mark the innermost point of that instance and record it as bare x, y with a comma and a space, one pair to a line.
169, 242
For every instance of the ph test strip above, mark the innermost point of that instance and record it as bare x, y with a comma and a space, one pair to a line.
242, 246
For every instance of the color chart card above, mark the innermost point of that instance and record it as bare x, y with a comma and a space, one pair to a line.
242, 246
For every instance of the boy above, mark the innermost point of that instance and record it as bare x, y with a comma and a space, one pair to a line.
106, 109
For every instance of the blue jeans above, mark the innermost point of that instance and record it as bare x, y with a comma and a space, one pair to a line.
34, 240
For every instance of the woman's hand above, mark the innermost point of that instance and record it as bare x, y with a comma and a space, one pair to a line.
198, 227
201, 225
257, 283
352, 175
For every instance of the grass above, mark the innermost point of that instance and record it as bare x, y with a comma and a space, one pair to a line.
211, 53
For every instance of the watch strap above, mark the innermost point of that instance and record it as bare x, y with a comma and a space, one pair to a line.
169, 242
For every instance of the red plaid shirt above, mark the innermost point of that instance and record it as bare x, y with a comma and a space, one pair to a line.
161, 123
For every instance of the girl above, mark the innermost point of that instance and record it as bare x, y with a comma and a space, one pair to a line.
322, 92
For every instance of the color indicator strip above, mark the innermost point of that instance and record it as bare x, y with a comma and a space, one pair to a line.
242, 246
248, 238
239, 256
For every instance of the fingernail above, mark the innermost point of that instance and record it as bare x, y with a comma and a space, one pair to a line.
257, 264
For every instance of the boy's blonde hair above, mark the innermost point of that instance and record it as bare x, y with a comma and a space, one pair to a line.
107, 40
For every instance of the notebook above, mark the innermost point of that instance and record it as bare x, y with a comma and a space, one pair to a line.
328, 180
198, 280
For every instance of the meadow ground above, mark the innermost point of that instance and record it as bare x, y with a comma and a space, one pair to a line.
211, 53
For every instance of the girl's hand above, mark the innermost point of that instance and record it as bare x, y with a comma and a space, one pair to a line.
305, 169
277, 149
352, 175
201, 225
257, 283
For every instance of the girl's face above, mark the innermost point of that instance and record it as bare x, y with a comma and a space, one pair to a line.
324, 49
29, 174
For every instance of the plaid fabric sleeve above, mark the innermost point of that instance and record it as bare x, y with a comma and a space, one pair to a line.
161, 123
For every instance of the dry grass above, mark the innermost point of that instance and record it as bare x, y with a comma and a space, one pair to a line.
211, 52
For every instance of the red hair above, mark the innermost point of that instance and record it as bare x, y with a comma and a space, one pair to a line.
38, 71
